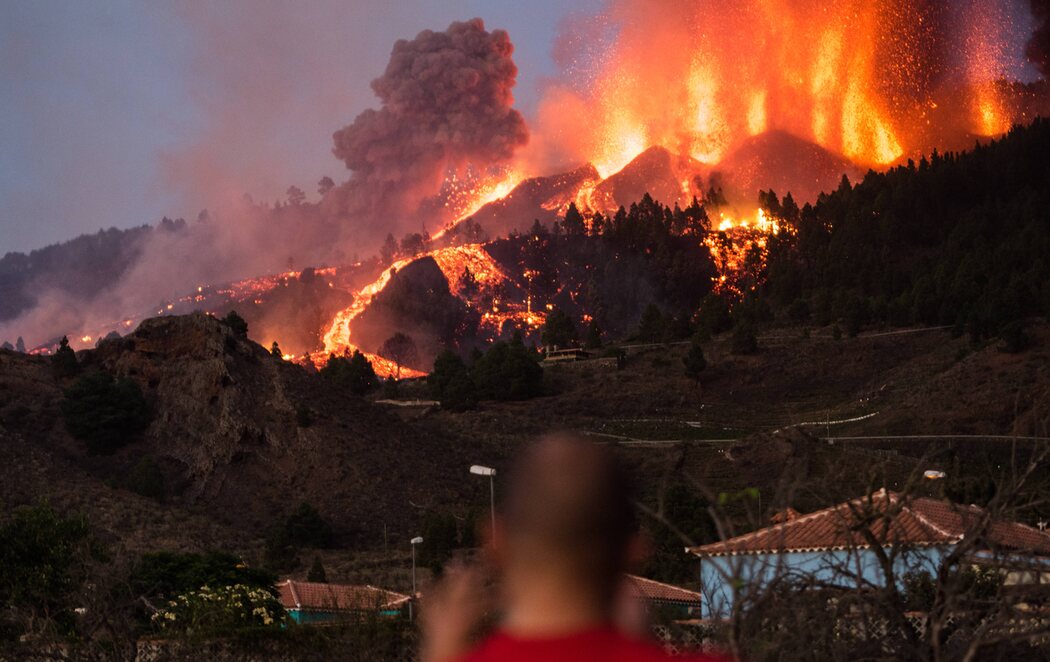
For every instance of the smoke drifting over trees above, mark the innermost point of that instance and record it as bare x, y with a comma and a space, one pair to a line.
446, 102
1039, 45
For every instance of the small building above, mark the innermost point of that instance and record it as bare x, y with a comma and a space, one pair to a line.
318, 603
836, 547
566, 355
679, 603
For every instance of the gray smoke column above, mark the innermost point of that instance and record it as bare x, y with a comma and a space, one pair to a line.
1038, 50
446, 101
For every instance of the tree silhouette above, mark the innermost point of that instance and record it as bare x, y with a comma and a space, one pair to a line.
64, 362
400, 349
325, 185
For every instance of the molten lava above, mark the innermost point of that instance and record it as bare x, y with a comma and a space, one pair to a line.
455, 263
738, 248
873, 80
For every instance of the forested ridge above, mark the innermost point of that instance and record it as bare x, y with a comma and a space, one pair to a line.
956, 239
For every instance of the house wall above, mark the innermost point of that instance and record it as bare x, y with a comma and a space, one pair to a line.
308, 617
728, 580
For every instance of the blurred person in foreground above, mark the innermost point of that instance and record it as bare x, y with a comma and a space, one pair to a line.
560, 550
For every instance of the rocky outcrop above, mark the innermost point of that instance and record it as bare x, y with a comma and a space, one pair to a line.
244, 436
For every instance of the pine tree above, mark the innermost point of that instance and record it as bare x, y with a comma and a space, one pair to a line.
64, 362
594, 336
573, 223
695, 362
389, 250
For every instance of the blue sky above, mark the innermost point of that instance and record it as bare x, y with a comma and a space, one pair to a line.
117, 113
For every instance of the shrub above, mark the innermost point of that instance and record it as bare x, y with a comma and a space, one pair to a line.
41, 567
306, 526
167, 574
146, 479
695, 362
103, 412
744, 339
354, 373
221, 609
451, 383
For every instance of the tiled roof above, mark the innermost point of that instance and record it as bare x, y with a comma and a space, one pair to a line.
891, 519
648, 589
314, 596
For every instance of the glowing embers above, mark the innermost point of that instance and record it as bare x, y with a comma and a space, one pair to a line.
738, 246
465, 195
471, 273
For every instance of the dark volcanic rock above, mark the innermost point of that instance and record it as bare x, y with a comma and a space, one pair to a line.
785, 163
542, 198
667, 177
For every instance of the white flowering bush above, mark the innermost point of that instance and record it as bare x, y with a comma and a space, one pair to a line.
221, 608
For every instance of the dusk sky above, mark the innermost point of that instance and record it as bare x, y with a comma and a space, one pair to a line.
115, 112
119, 112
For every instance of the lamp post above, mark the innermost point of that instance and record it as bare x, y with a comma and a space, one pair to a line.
479, 470
415, 541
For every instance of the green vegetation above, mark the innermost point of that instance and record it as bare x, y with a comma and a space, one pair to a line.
220, 610
43, 559
956, 239
744, 339
166, 574
353, 373
507, 371
694, 361
146, 479
306, 526
558, 330
103, 412
451, 384
683, 519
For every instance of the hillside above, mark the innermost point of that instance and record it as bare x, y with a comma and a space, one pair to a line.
241, 438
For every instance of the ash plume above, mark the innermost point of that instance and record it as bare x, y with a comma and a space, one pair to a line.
1038, 51
445, 102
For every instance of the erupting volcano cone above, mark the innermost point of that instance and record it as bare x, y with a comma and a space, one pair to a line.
785, 163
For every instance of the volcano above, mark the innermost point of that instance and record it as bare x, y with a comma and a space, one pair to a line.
665, 176
785, 163
537, 198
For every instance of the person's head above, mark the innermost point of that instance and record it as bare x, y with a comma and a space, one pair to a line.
569, 516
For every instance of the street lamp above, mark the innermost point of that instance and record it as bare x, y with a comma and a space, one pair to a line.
933, 474
415, 541
479, 470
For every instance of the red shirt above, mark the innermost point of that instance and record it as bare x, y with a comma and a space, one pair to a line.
598, 645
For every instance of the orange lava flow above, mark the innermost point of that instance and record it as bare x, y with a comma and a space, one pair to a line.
738, 248
453, 261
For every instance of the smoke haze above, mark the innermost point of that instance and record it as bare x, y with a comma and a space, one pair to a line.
1038, 51
446, 102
